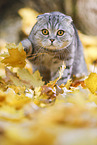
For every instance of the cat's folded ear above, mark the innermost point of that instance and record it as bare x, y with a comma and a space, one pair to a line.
67, 19
39, 17
61, 16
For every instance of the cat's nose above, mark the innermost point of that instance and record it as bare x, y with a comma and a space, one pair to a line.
52, 40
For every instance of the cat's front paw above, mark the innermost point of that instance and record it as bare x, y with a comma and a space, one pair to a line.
27, 46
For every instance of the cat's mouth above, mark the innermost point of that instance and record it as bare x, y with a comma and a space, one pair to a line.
51, 44
53, 48
56, 48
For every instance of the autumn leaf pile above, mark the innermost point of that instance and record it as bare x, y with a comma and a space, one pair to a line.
32, 113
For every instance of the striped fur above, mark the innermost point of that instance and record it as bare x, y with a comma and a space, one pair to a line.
47, 56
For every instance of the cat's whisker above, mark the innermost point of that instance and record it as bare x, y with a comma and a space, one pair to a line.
35, 55
67, 49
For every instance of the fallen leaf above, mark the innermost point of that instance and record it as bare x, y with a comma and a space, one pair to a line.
34, 79
16, 56
91, 82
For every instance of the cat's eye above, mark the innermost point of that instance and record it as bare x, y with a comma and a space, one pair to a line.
45, 32
60, 32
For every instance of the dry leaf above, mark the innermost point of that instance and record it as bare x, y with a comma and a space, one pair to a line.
34, 80
16, 56
91, 82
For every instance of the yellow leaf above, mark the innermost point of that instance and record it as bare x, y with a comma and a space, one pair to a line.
16, 56
61, 71
34, 79
93, 98
24, 78
12, 78
2, 96
91, 82
18, 82
15, 100
44, 96
10, 113
69, 82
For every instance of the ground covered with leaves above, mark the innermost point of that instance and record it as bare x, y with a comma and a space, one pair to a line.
32, 113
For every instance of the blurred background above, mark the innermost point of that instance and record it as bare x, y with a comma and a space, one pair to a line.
17, 18
83, 12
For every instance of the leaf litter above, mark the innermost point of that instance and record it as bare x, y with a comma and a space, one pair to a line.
32, 113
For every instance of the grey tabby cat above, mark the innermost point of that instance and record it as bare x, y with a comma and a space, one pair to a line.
54, 39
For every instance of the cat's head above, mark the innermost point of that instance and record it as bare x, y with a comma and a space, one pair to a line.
53, 31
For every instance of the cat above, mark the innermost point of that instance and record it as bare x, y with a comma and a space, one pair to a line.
52, 41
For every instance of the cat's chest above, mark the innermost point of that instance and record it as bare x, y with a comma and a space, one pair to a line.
48, 60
